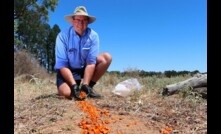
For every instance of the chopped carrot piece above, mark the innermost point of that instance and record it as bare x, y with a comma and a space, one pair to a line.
82, 95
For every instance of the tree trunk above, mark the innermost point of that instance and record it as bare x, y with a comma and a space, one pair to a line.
197, 83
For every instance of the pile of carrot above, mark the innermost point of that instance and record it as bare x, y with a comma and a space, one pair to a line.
96, 119
93, 123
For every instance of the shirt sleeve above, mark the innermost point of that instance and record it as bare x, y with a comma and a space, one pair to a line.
94, 51
61, 59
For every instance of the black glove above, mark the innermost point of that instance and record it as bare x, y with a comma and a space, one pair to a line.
85, 88
89, 91
75, 92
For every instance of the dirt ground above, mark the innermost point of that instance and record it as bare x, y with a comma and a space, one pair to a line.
47, 113
123, 122
140, 121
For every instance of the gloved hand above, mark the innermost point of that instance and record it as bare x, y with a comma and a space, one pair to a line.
75, 92
85, 88
89, 91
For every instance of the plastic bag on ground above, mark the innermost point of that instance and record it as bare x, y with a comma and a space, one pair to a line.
127, 87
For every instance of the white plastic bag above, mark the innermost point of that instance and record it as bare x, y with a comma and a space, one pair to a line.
127, 87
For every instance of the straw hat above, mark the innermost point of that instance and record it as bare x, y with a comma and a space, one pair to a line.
80, 10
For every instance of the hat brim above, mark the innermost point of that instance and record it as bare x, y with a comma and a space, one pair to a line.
68, 18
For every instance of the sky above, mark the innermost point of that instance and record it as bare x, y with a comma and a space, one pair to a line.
149, 35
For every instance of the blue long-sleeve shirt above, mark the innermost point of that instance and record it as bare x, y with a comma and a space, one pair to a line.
75, 52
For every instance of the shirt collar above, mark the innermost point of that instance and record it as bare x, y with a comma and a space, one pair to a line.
85, 33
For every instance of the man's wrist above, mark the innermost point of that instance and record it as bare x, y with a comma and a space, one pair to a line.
74, 87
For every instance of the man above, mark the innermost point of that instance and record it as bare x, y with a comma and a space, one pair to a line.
77, 57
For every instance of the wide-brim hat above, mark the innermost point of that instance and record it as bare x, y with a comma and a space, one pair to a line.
80, 10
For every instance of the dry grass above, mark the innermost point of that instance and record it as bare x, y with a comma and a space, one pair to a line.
26, 67
37, 108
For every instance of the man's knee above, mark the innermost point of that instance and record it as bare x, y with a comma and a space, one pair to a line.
64, 90
105, 57
108, 57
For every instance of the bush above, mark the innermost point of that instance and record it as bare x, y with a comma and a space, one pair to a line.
25, 64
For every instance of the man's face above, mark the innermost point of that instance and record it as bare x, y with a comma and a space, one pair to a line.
80, 23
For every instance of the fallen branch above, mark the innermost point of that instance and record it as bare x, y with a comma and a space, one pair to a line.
195, 83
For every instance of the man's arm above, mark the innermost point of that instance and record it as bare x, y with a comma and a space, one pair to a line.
67, 75
88, 73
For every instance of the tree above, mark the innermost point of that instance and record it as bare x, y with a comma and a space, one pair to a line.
51, 47
30, 15
31, 29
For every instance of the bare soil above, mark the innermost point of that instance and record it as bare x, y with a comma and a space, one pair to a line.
44, 112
